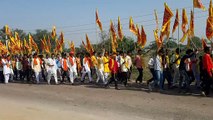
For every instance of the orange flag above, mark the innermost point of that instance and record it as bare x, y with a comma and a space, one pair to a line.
120, 32
62, 39
89, 46
167, 17
143, 37
198, 4
113, 33
98, 21
33, 43
139, 40
192, 25
210, 9
176, 23
53, 34
72, 46
132, 26
113, 45
209, 22
184, 21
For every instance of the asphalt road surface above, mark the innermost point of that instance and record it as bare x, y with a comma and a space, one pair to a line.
90, 102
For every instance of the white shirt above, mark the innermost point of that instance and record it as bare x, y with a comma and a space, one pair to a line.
86, 67
151, 63
129, 60
123, 65
157, 63
51, 63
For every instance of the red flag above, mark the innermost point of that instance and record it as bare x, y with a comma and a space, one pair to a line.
198, 4
176, 23
167, 17
143, 37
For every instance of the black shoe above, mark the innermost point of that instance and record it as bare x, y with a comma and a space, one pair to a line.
117, 88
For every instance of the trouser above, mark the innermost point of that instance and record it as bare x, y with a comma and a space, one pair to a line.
37, 76
124, 77
1, 76
26, 74
100, 76
113, 79
159, 78
51, 73
140, 76
129, 73
184, 80
106, 76
73, 76
196, 74
84, 74
153, 75
206, 83
43, 73
6, 78
176, 75
65, 74
59, 73
167, 75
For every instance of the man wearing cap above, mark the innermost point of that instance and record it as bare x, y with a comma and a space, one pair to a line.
72, 67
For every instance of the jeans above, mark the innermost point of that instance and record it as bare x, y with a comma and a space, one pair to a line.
159, 78
184, 80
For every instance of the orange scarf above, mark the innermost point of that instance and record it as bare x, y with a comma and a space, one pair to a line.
65, 65
35, 61
86, 60
71, 61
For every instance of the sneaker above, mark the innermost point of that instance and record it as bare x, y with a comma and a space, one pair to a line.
203, 93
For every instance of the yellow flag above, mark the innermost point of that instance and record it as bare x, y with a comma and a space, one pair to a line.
184, 21
53, 34
132, 26
156, 19
98, 21
184, 36
7, 30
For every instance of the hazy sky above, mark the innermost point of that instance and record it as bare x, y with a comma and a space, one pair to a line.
77, 17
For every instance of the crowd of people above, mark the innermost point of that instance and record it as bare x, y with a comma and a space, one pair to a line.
179, 69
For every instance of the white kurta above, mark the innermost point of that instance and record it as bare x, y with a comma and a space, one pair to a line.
6, 68
36, 68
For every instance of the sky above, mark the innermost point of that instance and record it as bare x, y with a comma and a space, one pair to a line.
77, 17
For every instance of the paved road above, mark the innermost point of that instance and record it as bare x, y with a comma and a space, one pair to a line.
89, 102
